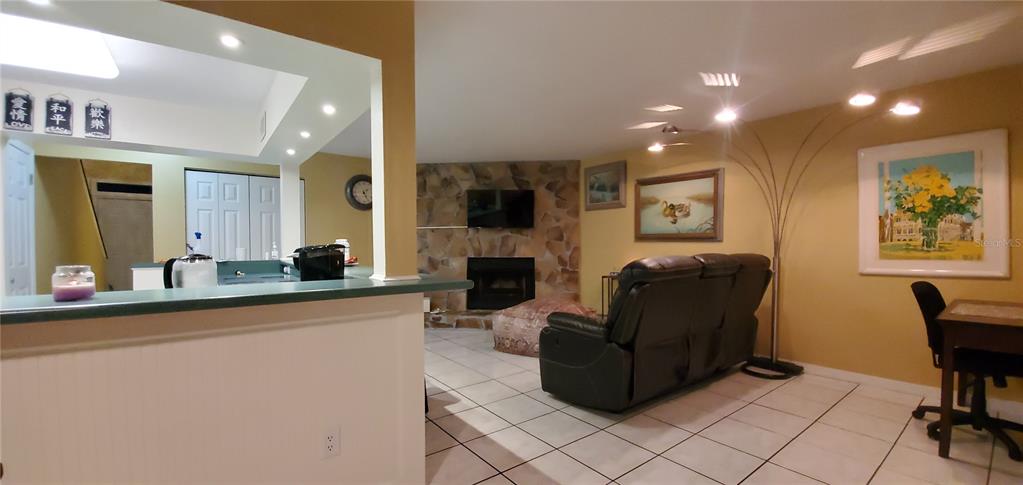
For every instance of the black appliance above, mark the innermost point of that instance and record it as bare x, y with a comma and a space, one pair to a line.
315, 263
499, 208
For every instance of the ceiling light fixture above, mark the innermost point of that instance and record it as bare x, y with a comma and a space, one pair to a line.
646, 125
656, 147
726, 115
39, 2
329, 109
54, 47
670, 129
290, 151
905, 108
230, 41
304, 134
862, 99
664, 108
720, 79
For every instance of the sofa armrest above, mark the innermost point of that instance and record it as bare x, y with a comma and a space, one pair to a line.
577, 323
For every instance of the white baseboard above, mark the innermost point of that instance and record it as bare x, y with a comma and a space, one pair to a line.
1012, 410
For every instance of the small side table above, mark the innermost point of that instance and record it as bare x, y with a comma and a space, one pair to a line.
608, 285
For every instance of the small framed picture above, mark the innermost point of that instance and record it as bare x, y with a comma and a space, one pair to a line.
687, 206
605, 186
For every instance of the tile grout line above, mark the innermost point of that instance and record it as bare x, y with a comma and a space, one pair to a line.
894, 444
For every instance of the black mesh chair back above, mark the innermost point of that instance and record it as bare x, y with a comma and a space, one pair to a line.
931, 305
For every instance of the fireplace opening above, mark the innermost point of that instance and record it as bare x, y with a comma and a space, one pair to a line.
500, 282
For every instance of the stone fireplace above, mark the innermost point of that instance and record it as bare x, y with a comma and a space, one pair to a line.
446, 245
500, 282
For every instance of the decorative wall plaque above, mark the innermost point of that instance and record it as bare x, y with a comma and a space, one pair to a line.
97, 119
59, 110
18, 110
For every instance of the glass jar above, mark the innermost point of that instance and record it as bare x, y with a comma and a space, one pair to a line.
73, 282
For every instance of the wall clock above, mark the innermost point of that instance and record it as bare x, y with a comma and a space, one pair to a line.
359, 192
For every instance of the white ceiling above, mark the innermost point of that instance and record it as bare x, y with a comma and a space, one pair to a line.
184, 71
167, 74
354, 140
561, 80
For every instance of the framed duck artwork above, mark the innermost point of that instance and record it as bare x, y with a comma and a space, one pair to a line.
685, 206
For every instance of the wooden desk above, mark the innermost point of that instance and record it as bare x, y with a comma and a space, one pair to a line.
975, 324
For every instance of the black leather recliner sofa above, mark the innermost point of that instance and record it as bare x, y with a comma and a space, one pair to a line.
674, 320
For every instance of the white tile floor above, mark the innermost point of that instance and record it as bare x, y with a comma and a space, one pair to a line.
490, 423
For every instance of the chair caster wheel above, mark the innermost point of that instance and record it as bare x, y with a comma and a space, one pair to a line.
918, 413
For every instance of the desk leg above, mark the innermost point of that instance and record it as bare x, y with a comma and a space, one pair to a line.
947, 383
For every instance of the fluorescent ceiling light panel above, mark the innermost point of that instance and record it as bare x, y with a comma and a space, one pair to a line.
960, 34
664, 108
647, 125
42, 45
879, 54
720, 79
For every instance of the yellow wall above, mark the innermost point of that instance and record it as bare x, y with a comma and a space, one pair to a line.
328, 214
385, 31
66, 230
831, 315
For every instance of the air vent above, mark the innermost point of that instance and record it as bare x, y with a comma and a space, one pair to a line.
123, 188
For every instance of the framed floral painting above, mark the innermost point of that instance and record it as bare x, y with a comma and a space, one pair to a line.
936, 207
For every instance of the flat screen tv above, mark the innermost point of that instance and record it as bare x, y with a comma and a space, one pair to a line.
500, 208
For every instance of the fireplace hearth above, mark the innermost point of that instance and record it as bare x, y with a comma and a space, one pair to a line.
500, 282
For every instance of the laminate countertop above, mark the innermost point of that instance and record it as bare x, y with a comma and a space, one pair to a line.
357, 284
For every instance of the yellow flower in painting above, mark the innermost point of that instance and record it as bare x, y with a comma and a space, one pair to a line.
922, 201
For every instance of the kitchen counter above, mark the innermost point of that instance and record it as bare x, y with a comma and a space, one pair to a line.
357, 284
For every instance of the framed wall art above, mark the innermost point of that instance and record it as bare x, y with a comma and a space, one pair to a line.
686, 206
605, 186
936, 207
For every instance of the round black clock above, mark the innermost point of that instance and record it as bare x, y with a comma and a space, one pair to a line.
359, 192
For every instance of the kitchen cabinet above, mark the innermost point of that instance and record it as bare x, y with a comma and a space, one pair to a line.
239, 216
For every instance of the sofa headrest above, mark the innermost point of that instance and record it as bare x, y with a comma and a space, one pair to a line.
660, 267
754, 262
715, 264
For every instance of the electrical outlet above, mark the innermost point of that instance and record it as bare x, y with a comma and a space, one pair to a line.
332, 443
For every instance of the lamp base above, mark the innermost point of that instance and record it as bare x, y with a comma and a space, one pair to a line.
765, 368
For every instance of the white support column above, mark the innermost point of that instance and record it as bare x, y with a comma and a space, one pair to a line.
291, 208
376, 156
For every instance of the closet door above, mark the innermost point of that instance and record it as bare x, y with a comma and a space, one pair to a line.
232, 240
201, 212
265, 217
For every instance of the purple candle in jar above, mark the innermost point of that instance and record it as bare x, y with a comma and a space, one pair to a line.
73, 292
73, 282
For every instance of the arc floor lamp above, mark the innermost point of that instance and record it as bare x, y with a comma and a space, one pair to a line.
778, 186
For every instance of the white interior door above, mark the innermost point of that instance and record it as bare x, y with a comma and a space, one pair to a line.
201, 211
19, 219
233, 217
264, 216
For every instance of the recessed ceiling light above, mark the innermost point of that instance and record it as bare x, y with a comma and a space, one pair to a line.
664, 108
646, 125
862, 99
304, 134
290, 151
230, 41
54, 47
656, 147
905, 108
722, 79
39, 2
726, 115
329, 109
